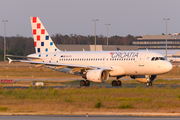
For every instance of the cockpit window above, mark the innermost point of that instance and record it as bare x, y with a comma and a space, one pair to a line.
157, 58
161, 58
152, 58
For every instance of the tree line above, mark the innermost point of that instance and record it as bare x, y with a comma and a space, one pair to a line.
19, 45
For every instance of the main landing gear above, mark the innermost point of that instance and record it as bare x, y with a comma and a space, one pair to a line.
149, 84
84, 83
116, 82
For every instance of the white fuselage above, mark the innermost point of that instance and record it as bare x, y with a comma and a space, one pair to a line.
122, 62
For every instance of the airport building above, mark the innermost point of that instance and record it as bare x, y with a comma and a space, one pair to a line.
158, 42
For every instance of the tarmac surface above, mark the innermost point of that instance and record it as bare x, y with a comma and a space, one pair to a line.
78, 79
61, 87
108, 85
83, 117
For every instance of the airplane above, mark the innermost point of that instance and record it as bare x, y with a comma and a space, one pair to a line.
95, 66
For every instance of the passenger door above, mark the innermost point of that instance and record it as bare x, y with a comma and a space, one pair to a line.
141, 60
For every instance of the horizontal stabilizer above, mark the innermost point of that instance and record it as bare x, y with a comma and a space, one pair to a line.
16, 56
10, 60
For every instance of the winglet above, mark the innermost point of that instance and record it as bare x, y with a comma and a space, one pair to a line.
10, 60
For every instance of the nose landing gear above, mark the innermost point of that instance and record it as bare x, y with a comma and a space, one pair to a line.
149, 84
149, 80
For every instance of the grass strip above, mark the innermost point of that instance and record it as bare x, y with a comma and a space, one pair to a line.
85, 99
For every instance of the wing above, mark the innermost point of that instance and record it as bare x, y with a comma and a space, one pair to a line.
61, 65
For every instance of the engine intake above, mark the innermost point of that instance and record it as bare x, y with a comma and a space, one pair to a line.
98, 75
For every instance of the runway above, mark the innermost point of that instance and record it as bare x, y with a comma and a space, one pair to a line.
77, 79
82, 117
45, 79
62, 87
100, 85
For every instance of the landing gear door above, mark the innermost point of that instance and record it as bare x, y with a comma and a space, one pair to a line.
141, 60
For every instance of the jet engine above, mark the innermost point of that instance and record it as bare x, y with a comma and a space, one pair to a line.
98, 75
143, 78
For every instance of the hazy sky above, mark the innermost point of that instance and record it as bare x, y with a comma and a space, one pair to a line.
133, 17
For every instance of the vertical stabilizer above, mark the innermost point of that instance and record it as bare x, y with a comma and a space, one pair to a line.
42, 40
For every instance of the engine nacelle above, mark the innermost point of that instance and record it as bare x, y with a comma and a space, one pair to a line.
143, 78
98, 75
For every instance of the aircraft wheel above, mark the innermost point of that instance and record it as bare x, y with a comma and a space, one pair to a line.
82, 83
114, 83
87, 83
119, 83
150, 83
147, 84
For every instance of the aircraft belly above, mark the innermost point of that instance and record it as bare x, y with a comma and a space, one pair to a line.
117, 71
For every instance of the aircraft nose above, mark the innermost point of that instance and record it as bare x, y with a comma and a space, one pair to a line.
168, 66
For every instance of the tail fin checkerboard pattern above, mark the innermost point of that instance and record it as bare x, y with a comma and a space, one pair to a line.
42, 40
